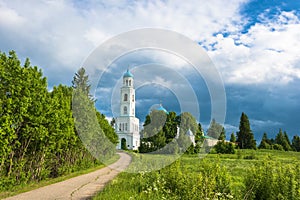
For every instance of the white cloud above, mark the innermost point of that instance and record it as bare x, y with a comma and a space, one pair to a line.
9, 18
59, 35
264, 123
268, 53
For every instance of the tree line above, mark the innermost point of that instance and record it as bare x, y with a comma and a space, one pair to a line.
160, 135
166, 133
244, 138
38, 139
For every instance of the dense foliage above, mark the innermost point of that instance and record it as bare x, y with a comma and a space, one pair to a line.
215, 129
166, 133
281, 142
249, 175
37, 134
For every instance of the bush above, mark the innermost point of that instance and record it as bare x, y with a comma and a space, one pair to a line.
225, 147
271, 180
278, 147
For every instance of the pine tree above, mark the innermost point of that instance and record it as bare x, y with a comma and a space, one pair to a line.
296, 143
245, 137
265, 142
199, 134
222, 135
81, 83
86, 122
232, 137
282, 139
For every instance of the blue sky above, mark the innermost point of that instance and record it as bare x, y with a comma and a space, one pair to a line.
253, 44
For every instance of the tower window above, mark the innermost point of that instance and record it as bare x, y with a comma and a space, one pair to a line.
125, 97
132, 98
120, 127
126, 82
125, 126
125, 110
129, 82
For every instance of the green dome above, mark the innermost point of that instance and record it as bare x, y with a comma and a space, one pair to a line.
127, 74
161, 108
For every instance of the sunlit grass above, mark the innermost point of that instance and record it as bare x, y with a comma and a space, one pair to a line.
132, 185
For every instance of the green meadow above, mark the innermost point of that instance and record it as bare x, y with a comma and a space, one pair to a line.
248, 174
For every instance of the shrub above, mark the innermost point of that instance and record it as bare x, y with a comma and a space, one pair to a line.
271, 180
278, 147
225, 147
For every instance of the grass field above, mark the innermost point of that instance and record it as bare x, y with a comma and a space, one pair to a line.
248, 174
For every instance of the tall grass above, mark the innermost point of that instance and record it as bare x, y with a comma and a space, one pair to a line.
261, 174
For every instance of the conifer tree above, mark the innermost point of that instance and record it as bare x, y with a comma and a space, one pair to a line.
245, 137
265, 142
81, 81
232, 137
222, 135
282, 139
296, 143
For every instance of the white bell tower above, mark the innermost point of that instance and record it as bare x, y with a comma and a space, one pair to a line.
127, 125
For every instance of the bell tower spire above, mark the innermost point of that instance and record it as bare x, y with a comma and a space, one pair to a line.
127, 125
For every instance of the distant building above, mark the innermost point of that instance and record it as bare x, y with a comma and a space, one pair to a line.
209, 141
189, 133
127, 125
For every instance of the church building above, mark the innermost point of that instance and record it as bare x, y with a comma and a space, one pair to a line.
127, 125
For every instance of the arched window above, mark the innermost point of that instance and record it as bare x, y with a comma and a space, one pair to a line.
132, 98
125, 126
125, 97
120, 127
129, 82
125, 110
126, 82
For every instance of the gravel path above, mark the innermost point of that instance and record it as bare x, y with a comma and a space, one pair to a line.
80, 187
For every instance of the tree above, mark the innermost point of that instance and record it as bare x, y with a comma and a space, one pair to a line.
113, 122
245, 137
265, 142
199, 134
81, 81
170, 127
282, 139
107, 128
153, 136
296, 143
215, 129
225, 147
186, 121
287, 139
232, 138
37, 133
222, 135
87, 124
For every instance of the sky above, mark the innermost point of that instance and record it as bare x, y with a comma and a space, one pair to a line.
253, 44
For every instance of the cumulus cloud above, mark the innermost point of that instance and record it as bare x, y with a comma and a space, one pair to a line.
59, 35
267, 54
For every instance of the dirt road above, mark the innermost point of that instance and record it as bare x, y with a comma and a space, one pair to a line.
80, 187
